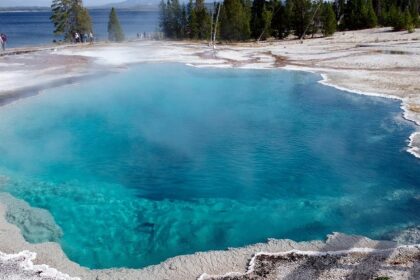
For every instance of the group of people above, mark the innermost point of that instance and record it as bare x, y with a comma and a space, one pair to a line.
83, 38
149, 36
142, 36
3, 41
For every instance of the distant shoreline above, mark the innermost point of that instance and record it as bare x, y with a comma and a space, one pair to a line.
143, 8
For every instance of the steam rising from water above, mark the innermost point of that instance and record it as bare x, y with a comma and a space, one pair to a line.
166, 160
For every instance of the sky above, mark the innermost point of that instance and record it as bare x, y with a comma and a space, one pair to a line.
16, 3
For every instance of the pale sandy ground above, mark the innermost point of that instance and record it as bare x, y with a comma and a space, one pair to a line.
374, 62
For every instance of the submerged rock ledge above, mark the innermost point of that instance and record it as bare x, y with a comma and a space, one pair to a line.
354, 257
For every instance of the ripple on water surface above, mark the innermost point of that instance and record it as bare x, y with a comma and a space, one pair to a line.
165, 159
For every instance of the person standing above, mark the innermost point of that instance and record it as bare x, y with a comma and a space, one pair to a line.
91, 38
77, 37
3, 41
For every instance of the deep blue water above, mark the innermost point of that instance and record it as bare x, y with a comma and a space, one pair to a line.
35, 28
166, 159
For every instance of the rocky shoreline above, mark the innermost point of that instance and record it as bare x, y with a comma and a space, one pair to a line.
356, 263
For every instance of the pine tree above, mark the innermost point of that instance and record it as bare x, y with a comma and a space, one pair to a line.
115, 32
59, 17
408, 21
68, 17
280, 21
396, 19
267, 17
83, 22
184, 22
383, 18
329, 22
371, 19
234, 21
203, 20
257, 21
192, 21
175, 19
355, 14
380, 11
316, 15
414, 12
301, 15
240, 19
164, 25
193, 24
339, 8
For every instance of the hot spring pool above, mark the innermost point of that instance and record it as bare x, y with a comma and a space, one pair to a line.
164, 159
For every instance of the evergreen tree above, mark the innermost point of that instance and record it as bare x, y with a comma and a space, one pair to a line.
280, 20
408, 21
414, 12
184, 22
383, 17
171, 20
339, 9
59, 17
240, 19
115, 32
83, 22
69, 17
357, 14
329, 22
258, 23
267, 17
234, 21
396, 19
164, 24
380, 10
175, 19
203, 20
192, 21
316, 15
301, 16
371, 19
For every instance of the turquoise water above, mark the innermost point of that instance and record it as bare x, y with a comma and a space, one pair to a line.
165, 159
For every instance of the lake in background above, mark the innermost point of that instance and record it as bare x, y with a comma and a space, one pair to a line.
164, 159
35, 28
